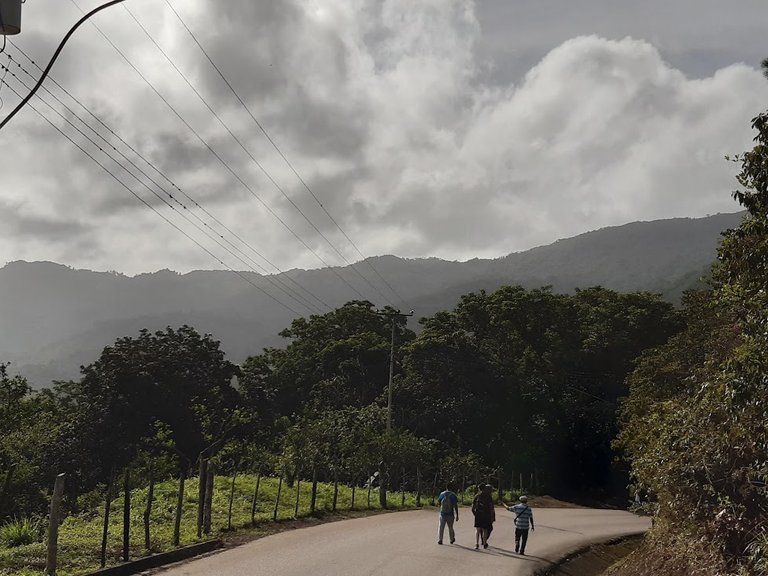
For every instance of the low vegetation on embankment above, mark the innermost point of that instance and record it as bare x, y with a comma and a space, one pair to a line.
80, 534
694, 425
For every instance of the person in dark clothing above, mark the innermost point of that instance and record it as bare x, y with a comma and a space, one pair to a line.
485, 515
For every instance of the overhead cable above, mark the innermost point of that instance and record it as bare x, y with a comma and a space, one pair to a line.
224, 163
282, 155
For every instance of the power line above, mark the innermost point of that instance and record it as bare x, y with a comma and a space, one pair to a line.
184, 208
261, 167
221, 160
143, 201
112, 174
280, 152
163, 175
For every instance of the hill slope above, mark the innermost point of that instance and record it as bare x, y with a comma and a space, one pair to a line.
55, 318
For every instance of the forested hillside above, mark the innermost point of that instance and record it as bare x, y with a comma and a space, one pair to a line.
55, 319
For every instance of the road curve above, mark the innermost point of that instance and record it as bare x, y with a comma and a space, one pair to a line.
404, 543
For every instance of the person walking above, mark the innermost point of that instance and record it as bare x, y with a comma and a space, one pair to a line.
449, 510
523, 522
485, 515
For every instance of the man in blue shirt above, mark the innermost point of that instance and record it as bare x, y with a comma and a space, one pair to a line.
449, 508
523, 521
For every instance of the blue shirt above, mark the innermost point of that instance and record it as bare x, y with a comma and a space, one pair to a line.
452, 501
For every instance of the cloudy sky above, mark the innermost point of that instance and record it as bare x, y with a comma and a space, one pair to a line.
445, 128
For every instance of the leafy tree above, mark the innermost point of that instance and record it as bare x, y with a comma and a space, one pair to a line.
176, 381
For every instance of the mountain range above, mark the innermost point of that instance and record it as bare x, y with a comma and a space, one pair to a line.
54, 318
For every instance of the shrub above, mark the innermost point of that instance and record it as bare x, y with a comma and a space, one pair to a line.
20, 532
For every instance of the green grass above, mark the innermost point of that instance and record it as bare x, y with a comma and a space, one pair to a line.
80, 536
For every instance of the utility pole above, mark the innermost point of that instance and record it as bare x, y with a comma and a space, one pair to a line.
392, 316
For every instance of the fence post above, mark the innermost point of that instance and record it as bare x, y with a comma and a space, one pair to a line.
370, 485
298, 493
231, 498
203, 474
277, 500
210, 479
402, 489
382, 486
6, 489
418, 487
53, 526
335, 490
313, 499
148, 510
105, 530
179, 509
126, 515
255, 497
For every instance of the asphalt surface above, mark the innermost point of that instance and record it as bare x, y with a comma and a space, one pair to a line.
405, 543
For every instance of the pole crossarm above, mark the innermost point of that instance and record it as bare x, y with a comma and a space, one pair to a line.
53, 59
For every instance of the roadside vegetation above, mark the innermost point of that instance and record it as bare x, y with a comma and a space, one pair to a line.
694, 424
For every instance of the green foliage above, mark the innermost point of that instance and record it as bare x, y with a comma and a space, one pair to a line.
529, 379
20, 532
694, 423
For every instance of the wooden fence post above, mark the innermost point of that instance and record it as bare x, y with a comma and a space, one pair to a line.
418, 487
210, 479
6, 488
335, 490
298, 493
277, 500
203, 474
313, 499
126, 515
354, 488
255, 501
53, 526
105, 530
148, 510
231, 498
179, 509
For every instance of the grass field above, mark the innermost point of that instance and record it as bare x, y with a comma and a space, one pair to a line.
80, 535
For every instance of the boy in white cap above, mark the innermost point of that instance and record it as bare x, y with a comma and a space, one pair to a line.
523, 521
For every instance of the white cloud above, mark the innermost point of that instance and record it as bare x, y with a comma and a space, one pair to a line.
385, 110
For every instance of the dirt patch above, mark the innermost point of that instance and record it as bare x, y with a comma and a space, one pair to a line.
596, 559
550, 502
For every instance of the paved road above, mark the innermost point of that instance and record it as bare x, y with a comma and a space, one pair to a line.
404, 543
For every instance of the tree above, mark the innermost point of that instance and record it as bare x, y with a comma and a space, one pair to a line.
174, 380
